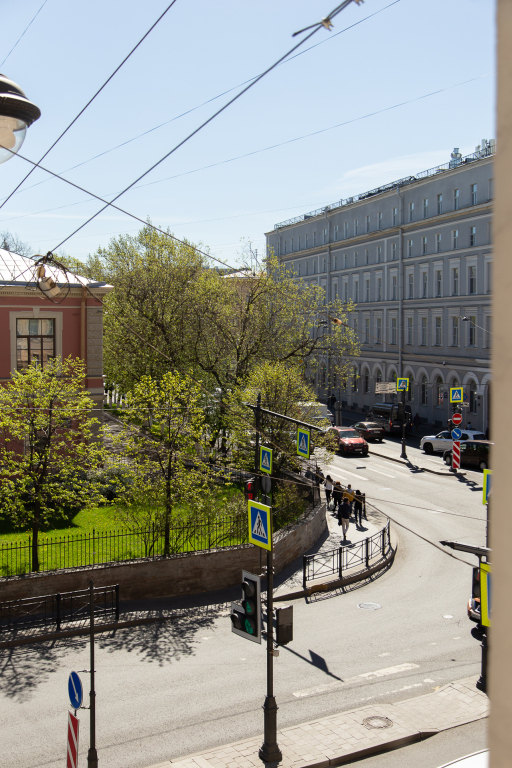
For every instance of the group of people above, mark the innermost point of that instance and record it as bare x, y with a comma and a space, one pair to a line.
345, 502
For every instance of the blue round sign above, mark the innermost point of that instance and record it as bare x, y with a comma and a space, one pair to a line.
75, 690
456, 434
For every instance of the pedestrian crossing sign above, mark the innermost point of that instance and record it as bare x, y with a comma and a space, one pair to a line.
402, 385
260, 525
266, 460
303, 443
485, 594
456, 394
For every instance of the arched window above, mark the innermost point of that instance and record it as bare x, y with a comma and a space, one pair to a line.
473, 398
378, 377
438, 395
354, 380
366, 381
424, 390
410, 391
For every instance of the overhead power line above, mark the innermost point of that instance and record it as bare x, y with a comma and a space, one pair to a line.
107, 81
23, 33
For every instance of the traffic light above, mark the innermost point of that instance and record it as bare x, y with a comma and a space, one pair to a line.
246, 616
251, 489
284, 625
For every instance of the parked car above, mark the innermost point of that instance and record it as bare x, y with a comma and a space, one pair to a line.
391, 416
443, 440
474, 454
350, 442
370, 430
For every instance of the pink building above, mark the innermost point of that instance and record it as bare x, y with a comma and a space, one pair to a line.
36, 327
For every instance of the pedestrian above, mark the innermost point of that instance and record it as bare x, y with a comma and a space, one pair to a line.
469, 426
320, 478
358, 508
328, 489
344, 517
349, 495
337, 495
416, 422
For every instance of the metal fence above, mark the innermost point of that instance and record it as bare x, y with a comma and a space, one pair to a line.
335, 562
58, 609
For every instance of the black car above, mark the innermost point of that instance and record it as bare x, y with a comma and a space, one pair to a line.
473, 454
370, 430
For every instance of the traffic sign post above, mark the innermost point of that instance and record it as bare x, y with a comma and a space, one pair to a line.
457, 419
303, 442
456, 434
266, 460
456, 395
456, 454
75, 691
72, 745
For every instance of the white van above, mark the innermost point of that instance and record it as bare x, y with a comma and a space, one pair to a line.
315, 411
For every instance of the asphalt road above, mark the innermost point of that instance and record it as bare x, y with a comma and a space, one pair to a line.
169, 690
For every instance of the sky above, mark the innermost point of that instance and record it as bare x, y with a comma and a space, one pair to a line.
438, 55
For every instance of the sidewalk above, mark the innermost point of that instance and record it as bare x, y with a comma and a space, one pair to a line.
414, 462
351, 735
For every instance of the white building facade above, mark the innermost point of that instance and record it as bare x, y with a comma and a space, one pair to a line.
415, 257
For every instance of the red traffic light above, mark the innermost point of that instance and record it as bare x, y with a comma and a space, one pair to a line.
250, 490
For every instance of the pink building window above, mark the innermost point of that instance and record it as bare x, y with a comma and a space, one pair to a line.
35, 340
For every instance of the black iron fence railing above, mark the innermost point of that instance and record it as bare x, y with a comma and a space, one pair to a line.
59, 609
335, 562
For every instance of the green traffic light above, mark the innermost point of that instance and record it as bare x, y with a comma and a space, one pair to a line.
250, 626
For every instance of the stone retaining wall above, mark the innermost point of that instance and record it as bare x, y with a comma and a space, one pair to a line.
187, 574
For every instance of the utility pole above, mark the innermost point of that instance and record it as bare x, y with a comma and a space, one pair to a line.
403, 455
92, 755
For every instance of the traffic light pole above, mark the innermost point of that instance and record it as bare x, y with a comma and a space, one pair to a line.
92, 755
403, 455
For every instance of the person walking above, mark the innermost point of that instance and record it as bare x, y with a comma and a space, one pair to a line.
416, 421
348, 494
358, 509
344, 517
328, 489
337, 495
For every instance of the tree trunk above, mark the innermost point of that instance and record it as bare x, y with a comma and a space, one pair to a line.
35, 535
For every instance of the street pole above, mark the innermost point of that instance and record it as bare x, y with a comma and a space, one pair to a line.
403, 455
92, 755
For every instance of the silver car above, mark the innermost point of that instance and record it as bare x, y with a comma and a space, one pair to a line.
443, 440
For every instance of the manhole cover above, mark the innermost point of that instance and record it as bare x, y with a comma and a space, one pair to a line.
369, 606
377, 722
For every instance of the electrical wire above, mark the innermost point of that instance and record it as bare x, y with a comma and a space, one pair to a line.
22, 34
213, 98
196, 130
116, 70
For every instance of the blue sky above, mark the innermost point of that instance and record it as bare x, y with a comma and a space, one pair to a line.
202, 48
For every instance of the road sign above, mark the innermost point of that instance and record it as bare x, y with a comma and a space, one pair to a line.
456, 454
487, 485
456, 434
266, 460
75, 690
465, 398
457, 419
303, 442
402, 385
385, 387
260, 525
485, 594
456, 394
464, 405
72, 749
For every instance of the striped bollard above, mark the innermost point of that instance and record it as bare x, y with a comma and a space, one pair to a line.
456, 454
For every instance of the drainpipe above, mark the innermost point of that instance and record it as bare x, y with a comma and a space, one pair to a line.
400, 283
83, 321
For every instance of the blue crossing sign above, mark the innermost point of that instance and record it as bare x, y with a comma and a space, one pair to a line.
303, 442
456, 434
75, 690
260, 525
266, 460
456, 394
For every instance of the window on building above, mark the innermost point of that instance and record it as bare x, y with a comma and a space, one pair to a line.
474, 194
285, 249
424, 246
410, 245
367, 222
335, 291
299, 268
438, 334
356, 226
409, 330
336, 232
410, 391
455, 331
355, 258
394, 287
299, 239
455, 281
345, 260
379, 289
314, 266
410, 283
491, 189
345, 229
356, 291
472, 331
488, 331
393, 251
455, 199
489, 277
455, 239
35, 342
395, 216
366, 256
291, 249
439, 391
345, 292
472, 236
439, 283
438, 242
472, 280
439, 204
354, 379
473, 397
379, 254
325, 235
336, 262
366, 381
367, 290
378, 330
379, 219
306, 241
314, 239
355, 327
425, 207
307, 267
378, 376
325, 265
423, 331
393, 331
367, 330
424, 285
411, 211
424, 390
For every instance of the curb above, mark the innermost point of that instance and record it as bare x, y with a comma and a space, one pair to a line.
446, 473
335, 584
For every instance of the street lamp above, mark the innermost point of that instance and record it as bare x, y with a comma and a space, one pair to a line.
17, 113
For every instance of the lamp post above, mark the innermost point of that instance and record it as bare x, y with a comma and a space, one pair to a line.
17, 113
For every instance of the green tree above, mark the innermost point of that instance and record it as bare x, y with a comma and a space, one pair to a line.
47, 445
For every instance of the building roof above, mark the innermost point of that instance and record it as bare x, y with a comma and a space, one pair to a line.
19, 271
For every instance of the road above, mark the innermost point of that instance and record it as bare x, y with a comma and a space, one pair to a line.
169, 690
